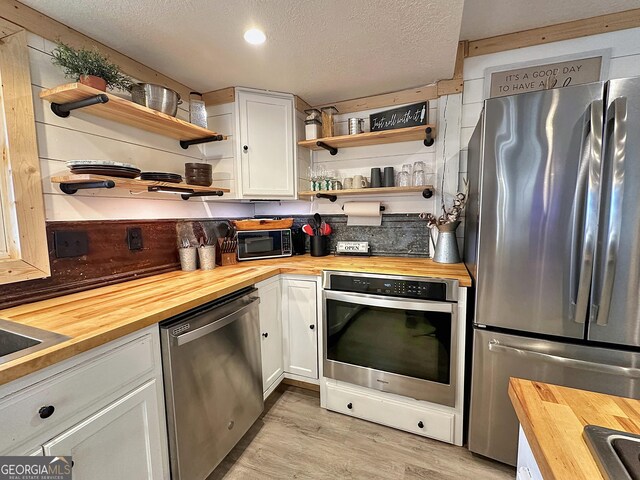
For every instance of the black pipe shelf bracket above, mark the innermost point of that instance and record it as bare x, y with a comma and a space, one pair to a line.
332, 150
71, 188
331, 198
63, 109
213, 138
427, 193
187, 193
428, 140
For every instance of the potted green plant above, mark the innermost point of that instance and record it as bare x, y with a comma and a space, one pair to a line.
90, 67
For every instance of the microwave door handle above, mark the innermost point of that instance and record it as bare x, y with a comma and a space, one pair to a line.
603, 282
585, 209
497, 347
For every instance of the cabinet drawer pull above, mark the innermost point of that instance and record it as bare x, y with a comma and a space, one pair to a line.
46, 411
349, 405
265, 334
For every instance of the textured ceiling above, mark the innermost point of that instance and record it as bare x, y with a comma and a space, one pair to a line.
487, 18
322, 50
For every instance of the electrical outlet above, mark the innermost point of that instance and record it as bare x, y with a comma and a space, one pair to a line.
70, 243
134, 238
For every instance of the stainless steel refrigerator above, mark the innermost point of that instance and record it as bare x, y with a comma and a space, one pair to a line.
553, 245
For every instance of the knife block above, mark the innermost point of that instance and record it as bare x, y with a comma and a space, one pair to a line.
223, 259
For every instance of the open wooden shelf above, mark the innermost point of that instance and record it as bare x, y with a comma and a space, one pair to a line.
371, 138
368, 191
127, 112
100, 181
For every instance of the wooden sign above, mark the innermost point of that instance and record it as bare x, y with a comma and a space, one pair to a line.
543, 77
401, 117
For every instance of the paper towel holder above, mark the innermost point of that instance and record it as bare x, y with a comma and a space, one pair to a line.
382, 208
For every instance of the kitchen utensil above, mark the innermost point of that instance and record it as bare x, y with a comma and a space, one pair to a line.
314, 226
356, 125
308, 229
99, 163
111, 171
325, 229
156, 97
262, 224
404, 179
387, 179
327, 120
222, 230
419, 178
359, 181
347, 183
161, 177
319, 246
318, 220
197, 110
376, 178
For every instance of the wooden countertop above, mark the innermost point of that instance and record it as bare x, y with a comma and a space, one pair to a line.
98, 316
553, 418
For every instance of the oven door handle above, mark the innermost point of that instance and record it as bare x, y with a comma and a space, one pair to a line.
390, 302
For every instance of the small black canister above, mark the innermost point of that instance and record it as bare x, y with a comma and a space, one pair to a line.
319, 245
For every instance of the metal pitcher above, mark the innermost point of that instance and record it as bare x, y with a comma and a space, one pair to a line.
447, 244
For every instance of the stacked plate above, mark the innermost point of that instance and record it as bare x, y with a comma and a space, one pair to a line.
161, 177
103, 167
198, 174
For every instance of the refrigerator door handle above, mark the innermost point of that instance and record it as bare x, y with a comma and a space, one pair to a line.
585, 213
603, 283
496, 346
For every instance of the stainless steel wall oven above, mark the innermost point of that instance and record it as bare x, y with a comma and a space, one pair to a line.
396, 334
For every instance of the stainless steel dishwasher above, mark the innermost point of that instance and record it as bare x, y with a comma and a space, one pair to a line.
213, 381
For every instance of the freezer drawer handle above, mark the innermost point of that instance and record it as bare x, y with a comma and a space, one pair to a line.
495, 346
213, 326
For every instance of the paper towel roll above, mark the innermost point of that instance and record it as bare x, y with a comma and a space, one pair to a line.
363, 213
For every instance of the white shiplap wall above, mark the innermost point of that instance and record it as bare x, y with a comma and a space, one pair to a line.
625, 62
83, 136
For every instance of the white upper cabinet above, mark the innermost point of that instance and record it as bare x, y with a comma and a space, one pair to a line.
265, 150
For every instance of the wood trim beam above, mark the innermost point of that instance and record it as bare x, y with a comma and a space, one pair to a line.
220, 97
51, 29
554, 33
300, 104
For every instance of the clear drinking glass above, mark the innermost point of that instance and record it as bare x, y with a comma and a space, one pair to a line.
404, 179
419, 166
407, 168
419, 178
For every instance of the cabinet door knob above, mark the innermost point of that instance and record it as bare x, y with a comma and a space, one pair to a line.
47, 411
265, 334
312, 327
349, 405
245, 148
420, 424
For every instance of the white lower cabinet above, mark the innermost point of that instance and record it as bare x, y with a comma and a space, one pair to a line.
270, 294
300, 327
104, 407
121, 440
527, 468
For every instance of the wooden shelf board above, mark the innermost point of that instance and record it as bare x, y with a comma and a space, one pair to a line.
367, 191
371, 138
125, 111
133, 184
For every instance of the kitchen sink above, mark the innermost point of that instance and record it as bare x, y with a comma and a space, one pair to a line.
17, 340
616, 453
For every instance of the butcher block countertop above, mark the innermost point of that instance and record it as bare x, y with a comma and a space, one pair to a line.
553, 418
98, 316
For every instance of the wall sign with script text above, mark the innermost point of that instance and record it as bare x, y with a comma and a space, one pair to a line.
401, 117
543, 77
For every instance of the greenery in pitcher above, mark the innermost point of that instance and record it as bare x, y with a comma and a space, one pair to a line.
82, 62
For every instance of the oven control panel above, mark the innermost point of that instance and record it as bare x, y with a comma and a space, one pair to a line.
421, 289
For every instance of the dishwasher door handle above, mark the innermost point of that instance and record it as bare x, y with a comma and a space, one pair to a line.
187, 337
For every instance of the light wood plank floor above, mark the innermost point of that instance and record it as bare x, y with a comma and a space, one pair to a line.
295, 438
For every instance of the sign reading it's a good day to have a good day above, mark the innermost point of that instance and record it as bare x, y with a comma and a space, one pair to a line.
542, 77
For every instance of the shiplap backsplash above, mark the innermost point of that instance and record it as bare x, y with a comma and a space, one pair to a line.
83, 136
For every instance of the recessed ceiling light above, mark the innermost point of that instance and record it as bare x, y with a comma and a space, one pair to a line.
255, 36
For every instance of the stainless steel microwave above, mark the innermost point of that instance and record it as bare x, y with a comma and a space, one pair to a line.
257, 244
